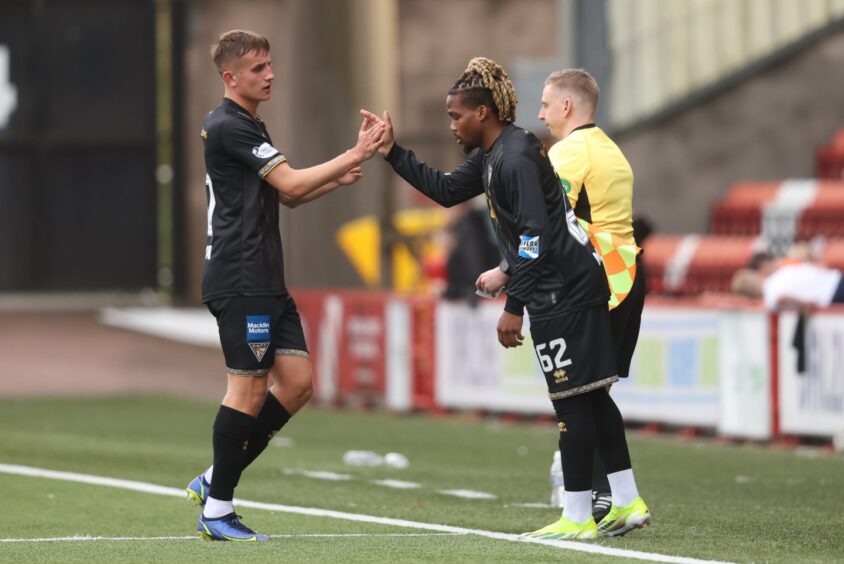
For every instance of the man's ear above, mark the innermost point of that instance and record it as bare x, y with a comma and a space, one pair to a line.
228, 77
568, 106
482, 112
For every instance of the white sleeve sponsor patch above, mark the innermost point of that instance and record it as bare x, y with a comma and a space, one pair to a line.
265, 151
529, 247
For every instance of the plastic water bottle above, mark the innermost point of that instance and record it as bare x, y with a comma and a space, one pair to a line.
838, 440
558, 486
362, 458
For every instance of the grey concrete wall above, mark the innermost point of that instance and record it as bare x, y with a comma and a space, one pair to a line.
437, 40
766, 128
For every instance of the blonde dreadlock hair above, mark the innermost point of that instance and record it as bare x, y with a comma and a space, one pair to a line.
485, 82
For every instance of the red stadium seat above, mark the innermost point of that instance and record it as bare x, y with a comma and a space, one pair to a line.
830, 159
658, 251
826, 214
715, 261
740, 211
711, 267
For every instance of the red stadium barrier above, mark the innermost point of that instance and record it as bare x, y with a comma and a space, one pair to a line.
346, 334
423, 349
351, 336
773, 327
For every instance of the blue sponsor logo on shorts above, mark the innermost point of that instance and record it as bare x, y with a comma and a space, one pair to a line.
528, 246
257, 327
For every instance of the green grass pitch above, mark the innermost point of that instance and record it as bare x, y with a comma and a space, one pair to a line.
709, 501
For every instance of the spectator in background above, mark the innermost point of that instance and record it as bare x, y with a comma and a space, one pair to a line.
794, 285
801, 285
472, 249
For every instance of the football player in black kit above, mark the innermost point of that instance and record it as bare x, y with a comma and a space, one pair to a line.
554, 272
269, 375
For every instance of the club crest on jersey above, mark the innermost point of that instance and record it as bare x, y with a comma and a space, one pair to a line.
258, 334
529, 246
265, 151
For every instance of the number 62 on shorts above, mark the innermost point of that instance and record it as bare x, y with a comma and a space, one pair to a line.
554, 358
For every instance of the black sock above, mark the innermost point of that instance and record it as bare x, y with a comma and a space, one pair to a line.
611, 437
600, 482
270, 420
232, 430
577, 441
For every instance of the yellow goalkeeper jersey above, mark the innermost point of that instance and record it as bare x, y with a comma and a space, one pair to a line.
598, 181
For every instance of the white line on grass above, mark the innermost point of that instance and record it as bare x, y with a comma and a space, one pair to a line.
397, 484
322, 475
468, 494
178, 492
195, 537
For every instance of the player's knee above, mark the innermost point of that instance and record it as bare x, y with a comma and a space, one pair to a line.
304, 390
257, 398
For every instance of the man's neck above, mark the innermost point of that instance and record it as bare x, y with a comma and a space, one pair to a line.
491, 135
575, 124
250, 106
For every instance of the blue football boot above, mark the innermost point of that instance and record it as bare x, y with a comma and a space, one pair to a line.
198, 490
227, 528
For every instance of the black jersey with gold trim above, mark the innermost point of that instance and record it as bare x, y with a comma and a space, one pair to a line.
243, 253
551, 263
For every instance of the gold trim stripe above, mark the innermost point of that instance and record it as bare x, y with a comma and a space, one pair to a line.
292, 352
277, 160
583, 389
253, 372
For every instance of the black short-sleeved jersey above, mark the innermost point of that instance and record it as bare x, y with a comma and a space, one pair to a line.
243, 255
546, 253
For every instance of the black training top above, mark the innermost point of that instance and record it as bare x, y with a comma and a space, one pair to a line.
546, 253
243, 255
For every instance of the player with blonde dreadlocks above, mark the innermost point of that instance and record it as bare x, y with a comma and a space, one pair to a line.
553, 271
485, 82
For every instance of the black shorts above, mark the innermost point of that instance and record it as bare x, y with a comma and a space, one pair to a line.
575, 351
253, 329
625, 321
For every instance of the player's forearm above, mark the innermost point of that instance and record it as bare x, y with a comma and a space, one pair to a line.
522, 284
445, 189
293, 185
310, 197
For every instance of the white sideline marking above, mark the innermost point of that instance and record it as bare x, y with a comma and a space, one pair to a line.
196, 537
397, 484
320, 475
468, 494
178, 492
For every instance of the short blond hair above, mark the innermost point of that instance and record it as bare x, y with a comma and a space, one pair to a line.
578, 81
236, 43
